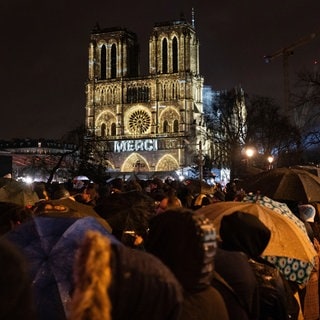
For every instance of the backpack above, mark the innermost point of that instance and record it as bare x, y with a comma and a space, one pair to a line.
277, 301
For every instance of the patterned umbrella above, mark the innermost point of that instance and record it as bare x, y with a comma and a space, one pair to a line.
289, 248
280, 207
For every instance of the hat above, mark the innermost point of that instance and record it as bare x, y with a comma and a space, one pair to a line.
307, 212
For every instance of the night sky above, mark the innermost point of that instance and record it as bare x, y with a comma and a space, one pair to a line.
44, 51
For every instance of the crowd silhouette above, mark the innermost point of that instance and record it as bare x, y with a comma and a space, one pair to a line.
157, 256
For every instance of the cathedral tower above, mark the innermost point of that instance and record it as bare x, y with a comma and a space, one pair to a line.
146, 123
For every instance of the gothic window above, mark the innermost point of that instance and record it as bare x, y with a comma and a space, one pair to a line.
174, 55
103, 97
108, 96
165, 126
103, 130
164, 92
175, 126
103, 66
113, 129
139, 122
174, 96
164, 56
113, 61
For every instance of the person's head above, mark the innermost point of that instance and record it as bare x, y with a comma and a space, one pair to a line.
307, 212
244, 232
40, 190
12, 215
60, 193
117, 185
186, 242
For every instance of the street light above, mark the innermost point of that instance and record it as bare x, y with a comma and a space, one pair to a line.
249, 153
270, 160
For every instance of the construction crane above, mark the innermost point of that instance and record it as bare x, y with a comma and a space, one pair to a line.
285, 53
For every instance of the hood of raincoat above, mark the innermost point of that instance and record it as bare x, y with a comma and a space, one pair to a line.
244, 232
186, 243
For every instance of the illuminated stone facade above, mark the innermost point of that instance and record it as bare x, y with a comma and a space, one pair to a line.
145, 123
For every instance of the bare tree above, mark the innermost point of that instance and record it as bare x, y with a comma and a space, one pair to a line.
305, 103
272, 132
226, 123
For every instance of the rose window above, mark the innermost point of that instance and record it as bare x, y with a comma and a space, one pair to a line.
139, 121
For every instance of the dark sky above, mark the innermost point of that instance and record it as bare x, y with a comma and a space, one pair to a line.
44, 51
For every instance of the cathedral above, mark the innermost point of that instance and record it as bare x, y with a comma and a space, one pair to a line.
145, 123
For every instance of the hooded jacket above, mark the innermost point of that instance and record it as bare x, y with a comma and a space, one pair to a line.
186, 243
244, 232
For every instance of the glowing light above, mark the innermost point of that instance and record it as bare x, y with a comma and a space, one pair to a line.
249, 152
27, 180
270, 159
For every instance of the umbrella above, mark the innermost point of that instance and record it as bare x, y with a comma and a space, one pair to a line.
289, 247
280, 207
286, 184
67, 207
49, 245
17, 192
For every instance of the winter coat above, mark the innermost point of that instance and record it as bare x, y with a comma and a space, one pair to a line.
186, 243
244, 232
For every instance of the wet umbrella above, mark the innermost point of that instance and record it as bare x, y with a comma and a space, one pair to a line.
67, 207
50, 245
289, 247
17, 192
285, 184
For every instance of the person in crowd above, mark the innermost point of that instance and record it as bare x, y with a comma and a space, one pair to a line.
230, 191
245, 233
218, 193
309, 295
186, 242
201, 200
117, 185
112, 281
89, 195
156, 190
41, 191
169, 201
16, 301
12, 215
133, 185
307, 213
243, 299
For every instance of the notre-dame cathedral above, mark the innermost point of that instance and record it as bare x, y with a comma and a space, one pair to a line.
147, 123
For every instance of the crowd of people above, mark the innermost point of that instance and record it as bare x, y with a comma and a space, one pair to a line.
163, 259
